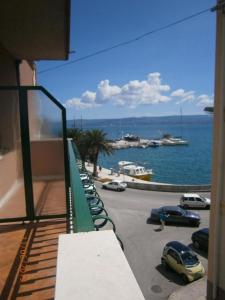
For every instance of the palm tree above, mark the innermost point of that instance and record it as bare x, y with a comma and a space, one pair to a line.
97, 143
79, 137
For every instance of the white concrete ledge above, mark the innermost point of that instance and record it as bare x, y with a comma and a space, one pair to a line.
93, 266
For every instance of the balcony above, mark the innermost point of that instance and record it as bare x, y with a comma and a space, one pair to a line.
35, 30
49, 224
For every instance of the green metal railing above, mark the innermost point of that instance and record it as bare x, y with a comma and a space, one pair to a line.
82, 219
88, 211
25, 97
84, 212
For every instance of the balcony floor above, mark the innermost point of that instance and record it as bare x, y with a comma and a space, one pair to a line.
28, 255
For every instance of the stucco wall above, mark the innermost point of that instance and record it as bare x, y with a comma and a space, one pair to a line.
47, 159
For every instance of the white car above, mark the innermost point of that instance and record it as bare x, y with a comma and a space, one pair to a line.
83, 176
115, 185
195, 201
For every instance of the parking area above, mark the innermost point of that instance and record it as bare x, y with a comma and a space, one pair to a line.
143, 243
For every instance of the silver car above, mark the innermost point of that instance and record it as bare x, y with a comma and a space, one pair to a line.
115, 185
194, 201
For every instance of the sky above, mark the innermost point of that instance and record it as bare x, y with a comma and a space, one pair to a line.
158, 75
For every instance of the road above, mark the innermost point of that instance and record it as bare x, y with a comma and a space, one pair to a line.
143, 245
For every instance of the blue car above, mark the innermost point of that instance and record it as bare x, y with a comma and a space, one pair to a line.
175, 215
200, 239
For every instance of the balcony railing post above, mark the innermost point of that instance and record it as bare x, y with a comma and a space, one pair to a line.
66, 167
25, 143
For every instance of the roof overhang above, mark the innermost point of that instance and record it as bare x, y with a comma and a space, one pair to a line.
35, 29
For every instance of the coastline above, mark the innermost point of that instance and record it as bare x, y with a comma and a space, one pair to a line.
107, 175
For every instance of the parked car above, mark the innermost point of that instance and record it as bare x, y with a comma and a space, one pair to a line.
182, 260
200, 239
194, 201
84, 176
88, 186
175, 214
115, 185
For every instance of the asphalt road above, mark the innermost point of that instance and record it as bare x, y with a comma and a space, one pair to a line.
143, 245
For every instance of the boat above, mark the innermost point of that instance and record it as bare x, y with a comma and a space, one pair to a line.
169, 140
131, 169
131, 138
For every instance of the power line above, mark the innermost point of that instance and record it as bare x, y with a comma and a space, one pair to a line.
133, 40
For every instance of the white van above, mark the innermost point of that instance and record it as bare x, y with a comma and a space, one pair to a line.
195, 201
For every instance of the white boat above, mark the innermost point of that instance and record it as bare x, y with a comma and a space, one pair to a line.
131, 169
169, 140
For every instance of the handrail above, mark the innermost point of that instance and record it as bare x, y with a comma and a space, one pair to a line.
82, 219
23, 99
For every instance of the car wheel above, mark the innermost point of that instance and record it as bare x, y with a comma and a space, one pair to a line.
104, 187
207, 207
185, 206
184, 278
196, 245
194, 223
197, 224
164, 263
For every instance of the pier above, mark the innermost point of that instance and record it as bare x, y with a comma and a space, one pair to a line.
145, 143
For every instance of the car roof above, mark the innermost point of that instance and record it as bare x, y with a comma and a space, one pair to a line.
191, 195
205, 230
178, 246
174, 208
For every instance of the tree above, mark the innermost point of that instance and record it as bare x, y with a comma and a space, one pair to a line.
97, 143
79, 137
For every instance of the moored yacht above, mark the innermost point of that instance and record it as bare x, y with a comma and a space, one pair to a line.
131, 169
169, 140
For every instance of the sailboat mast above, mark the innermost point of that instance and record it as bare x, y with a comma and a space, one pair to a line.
181, 122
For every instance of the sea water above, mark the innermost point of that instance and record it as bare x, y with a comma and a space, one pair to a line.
171, 164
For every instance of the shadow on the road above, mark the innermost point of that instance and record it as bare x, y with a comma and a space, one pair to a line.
150, 221
199, 251
194, 208
170, 275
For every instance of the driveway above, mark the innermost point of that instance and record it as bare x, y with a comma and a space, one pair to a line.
143, 244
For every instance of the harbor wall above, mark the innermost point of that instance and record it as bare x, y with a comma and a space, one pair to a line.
163, 187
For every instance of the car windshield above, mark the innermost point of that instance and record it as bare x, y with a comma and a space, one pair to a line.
189, 259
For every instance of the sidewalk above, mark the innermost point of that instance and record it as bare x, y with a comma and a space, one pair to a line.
195, 291
106, 175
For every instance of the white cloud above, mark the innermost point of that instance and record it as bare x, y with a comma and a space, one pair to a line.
77, 103
131, 94
134, 93
184, 96
88, 97
106, 92
204, 100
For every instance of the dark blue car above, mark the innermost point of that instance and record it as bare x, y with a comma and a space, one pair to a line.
175, 215
200, 239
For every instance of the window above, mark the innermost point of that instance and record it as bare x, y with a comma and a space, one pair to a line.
174, 255
199, 199
174, 213
191, 199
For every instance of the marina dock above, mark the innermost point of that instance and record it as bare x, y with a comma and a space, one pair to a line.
145, 143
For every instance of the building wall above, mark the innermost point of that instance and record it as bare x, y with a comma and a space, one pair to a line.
27, 73
216, 267
8, 72
11, 171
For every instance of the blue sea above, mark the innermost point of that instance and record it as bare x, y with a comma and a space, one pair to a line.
171, 164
